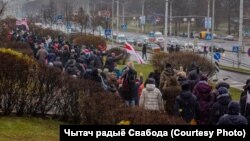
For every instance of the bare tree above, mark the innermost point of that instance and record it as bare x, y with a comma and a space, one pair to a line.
2, 8
51, 12
82, 19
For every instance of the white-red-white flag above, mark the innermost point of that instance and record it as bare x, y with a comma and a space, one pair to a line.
130, 49
23, 22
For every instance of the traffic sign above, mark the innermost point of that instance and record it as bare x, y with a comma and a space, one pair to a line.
236, 49
217, 56
208, 36
248, 52
142, 19
68, 25
124, 26
107, 32
208, 22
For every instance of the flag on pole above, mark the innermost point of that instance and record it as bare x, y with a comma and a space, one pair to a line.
23, 22
130, 49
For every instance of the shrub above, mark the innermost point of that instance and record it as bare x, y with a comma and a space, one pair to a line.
90, 40
34, 89
101, 108
183, 59
14, 78
18, 46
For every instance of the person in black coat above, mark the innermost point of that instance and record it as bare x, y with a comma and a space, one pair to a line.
245, 103
233, 117
186, 105
144, 51
220, 107
245, 88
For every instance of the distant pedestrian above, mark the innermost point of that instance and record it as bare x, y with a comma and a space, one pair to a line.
144, 52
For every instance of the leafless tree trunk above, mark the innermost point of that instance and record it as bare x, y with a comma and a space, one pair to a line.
2, 8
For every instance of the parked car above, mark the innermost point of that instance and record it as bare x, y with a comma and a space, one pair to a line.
229, 38
130, 40
217, 49
121, 38
139, 41
153, 46
158, 37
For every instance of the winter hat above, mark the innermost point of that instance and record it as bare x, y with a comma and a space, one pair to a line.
223, 92
185, 86
151, 81
222, 84
168, 65
233, 108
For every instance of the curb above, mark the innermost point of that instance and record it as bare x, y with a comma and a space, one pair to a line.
231, 70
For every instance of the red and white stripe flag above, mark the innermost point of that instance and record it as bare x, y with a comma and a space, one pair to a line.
130, 49
23, 22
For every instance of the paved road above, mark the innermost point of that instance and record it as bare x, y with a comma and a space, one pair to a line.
227, 45
236, 80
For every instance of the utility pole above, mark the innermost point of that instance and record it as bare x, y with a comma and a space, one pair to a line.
123, 14
171, 18
88, 8
166, 27
112, 25
142, 26
208, 15
241, 27
241, 33
213, 18
117, 18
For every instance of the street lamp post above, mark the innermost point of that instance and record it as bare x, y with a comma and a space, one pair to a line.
189, 22
143, 5
208, 14
123, 15
166, 27
117, 20
112, 24
171, 18
241, 27
213, 18
241, 33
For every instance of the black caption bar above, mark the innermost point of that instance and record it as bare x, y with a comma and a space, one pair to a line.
159, 132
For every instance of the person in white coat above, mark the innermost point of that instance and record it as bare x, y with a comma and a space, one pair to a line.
151, 98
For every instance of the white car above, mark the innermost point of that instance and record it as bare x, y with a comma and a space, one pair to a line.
229, 38
158, 37
121, 38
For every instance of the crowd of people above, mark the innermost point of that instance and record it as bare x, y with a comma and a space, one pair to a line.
184, 94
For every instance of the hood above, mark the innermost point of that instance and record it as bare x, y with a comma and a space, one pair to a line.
168, 71
224, 99
235, 120
193, 66
233, 108
150, 87
186, 95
